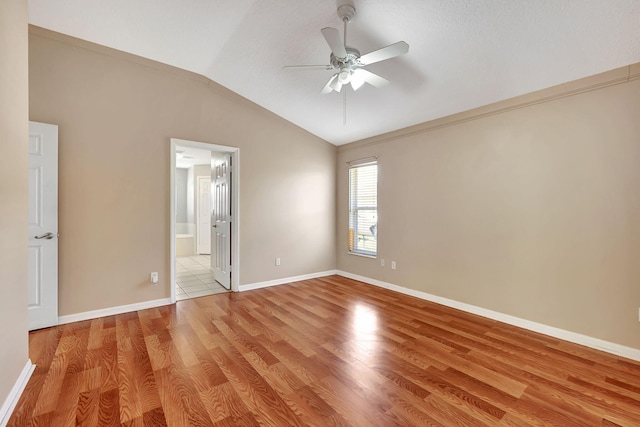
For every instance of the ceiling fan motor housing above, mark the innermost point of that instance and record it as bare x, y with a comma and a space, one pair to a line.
350, 61
346, 66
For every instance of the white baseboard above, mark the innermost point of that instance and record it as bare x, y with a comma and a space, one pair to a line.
596, 343
93, 314
16, 391
285, 280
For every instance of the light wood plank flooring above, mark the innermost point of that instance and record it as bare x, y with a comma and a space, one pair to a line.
320, 352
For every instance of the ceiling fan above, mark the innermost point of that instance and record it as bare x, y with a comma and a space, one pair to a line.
347, 62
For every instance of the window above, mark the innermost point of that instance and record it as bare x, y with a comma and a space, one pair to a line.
363, 208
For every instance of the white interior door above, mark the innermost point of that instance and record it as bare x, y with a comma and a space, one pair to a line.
221, 228
204, 215
43, 225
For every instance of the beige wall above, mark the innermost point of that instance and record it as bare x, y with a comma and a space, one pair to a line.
530, 210
116, 114
533, 211
13, 192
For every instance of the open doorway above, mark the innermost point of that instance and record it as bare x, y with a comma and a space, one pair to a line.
204, 248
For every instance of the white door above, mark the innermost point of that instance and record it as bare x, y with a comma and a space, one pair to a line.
43, 225
221, 228
204, 215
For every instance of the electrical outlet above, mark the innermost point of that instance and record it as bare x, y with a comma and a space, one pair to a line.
154, 277
277, 261
393, 265
382, 262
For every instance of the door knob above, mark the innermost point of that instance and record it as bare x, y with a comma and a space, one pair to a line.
47, 236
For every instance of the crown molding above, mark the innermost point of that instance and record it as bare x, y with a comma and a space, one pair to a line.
587, 84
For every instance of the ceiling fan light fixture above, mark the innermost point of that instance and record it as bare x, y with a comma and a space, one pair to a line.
344, 76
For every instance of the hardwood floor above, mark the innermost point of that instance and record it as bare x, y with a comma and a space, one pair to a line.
320, 352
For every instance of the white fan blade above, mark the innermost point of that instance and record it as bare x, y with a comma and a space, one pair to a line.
335, 84
357, 79
372, 79
328, 87
309, 67
332, 36
390, 51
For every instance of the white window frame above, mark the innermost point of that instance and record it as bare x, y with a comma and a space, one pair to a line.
354, 239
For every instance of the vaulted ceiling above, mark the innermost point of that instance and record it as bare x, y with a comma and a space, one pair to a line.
463, 53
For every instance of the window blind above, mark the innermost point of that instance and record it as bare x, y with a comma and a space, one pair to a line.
363, 208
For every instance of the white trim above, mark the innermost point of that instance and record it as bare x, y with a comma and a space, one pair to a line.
364, 161
94, 314
235, 206
172, 222
16, 391
596, 343
286, 280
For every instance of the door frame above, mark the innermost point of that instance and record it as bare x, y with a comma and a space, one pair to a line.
235, 208
197, 214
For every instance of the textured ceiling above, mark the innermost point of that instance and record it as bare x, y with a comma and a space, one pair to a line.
463, 53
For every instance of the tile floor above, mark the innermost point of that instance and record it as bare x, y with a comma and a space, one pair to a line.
194, 278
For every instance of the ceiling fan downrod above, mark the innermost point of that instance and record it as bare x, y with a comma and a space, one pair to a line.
346, 12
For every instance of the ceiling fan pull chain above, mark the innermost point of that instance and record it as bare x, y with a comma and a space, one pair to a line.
344, 107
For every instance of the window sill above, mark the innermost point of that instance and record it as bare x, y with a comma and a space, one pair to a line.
363, 255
